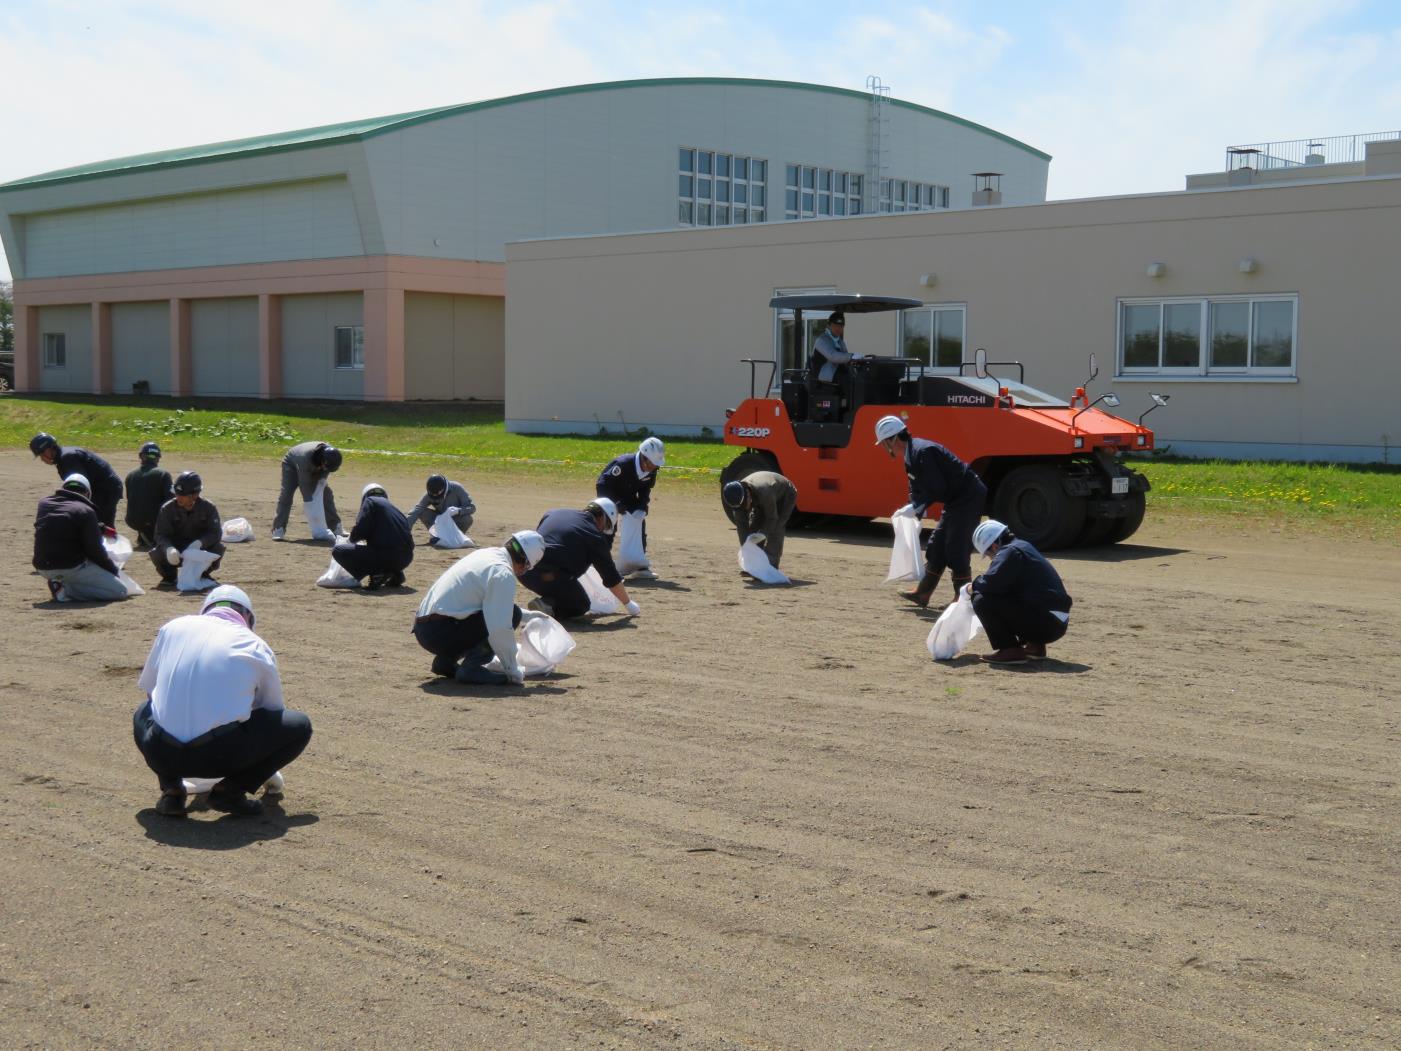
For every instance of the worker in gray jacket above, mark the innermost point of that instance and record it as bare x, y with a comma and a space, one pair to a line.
303, 468
762, 503
442, 497
185, 518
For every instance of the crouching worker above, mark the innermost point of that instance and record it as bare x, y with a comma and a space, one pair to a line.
68, 549
147, 490
470, 612
762, 503
214, 708
574, 541
1020, 600
184, 519
442, 497
381, 543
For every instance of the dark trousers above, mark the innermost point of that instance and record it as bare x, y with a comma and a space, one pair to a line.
361, 560
243, 754
107, 511
169, 573
1011, 622
291, 484
450, 637
951, 544
565, 594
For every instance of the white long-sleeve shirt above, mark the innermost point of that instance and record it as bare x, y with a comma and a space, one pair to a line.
207, 670
482, 582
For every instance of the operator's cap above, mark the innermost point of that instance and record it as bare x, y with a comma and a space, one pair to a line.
733, 494
654, 450
526, 546
78, 483
987, 534
607, 508
228, 595
372, 489
888, 427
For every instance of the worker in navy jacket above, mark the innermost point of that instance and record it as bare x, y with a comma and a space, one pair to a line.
628, 480
69, 460
574, 542
937, 476
1020, 599
68, 549
381, 543
147, 489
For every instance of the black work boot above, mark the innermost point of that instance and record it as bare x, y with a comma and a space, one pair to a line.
472, 670
445, 666
920, 595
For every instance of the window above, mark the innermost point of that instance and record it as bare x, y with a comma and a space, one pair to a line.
350, 347
810, 192
934, 335
55, 350
1220, 335
708, 182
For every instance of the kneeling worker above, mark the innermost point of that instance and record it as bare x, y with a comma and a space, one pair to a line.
68, 549
1020, 600
762, 503
380, 545
470, 612
442, 497
214, 708
574, 541
185, 518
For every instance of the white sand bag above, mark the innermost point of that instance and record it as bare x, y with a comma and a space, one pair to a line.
197, 785
906, 558
119, 550
238, 531
315, 511
631, 554
754, 562
194, 562
543, 646
601, 600
954, 629
449, 533
336, 576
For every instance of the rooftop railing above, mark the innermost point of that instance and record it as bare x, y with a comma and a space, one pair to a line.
1296, 153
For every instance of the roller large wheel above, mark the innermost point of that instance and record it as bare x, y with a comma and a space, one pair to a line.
743, 465
1133, 518
1031, 502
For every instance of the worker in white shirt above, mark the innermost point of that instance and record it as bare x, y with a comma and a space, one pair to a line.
214, 708
470, 612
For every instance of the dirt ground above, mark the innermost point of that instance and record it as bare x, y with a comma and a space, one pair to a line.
751, 818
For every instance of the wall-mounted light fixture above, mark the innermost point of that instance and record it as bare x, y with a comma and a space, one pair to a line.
1156, 270
1248, 265
928, 280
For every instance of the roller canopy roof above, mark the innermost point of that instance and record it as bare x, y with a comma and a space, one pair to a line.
850, 304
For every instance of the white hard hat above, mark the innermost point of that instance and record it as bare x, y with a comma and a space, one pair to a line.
654, 450
888, 427
609, 509
373, 487
987, 534
531, 545
230, 594
78, 481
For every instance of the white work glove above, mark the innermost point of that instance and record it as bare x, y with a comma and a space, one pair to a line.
172, 555
907, 511
967, 591
759, 538
633, 608
516, 678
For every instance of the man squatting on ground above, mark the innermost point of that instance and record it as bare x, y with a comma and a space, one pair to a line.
381, 543
214, 708
302, 468
68, 549
628, 479
762, 503
148, 487
442, 497
106, 486
1020, 599
574, 541
937, 476
185, 518
470, 612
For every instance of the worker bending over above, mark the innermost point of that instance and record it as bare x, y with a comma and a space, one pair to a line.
303, 468
380, 547
104, 483
762, 502
574, 542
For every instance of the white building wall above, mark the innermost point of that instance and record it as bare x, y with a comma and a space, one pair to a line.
224, 347
141, 346
309, 348
75, 322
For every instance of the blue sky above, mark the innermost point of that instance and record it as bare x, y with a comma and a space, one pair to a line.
1127, 98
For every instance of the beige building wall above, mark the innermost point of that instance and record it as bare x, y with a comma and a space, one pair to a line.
224, 347
309, 348
653, 325
75, 323
141, 346
454, 347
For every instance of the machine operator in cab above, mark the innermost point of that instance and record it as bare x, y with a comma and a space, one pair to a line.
830, 358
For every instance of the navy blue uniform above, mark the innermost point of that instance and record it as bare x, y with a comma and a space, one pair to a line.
573, 543
624, 484
66, 533
1017, 599
937, 476
147, 489
106, 485
388, 546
